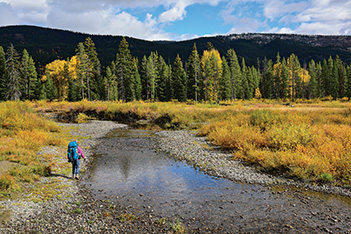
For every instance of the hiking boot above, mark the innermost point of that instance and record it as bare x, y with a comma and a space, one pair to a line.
72, 176
77, 177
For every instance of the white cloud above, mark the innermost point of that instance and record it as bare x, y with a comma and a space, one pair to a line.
27, 5
325, 17
276, 8
177, 12
7, 15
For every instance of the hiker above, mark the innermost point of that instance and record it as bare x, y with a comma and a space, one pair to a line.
74, 153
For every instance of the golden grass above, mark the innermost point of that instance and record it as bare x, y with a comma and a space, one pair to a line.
22, 134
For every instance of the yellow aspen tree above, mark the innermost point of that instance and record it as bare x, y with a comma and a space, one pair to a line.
56, 70
211, 64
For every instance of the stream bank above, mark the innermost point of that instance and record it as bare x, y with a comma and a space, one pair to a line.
299, 211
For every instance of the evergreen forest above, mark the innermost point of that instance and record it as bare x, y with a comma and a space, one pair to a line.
209, 77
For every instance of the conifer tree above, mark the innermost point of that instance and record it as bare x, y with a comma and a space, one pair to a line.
72, 93
84, 72
179, 80
137, 79
245, 83
42, 93
14, 75
48, 87
124, 67
326, 78
313, 85
108, 82
334, 80
96, 84
235, 71
340, 76
193, 74
225, 90
319, 79
163, 76
3, 76
151, 76
294, 69
267, 79
113, 83
251, 83
28, 76
169, 88
143, 78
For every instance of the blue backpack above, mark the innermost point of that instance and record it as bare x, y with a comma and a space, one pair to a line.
72, 152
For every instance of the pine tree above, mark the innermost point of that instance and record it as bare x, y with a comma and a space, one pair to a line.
285, 80
193, 74
108, 82
96, 84
251, 83
163, 76
28, 76
267, 79
277, 78
334, 80
151, 76
72, 94
245, 82
341, 76
14, 75
3, 76
179, 80
313, 85
225, 81
84, 72
114, 83
24, 74
137, 79
294, 69
124, 67
235, 71
48, 90
144, 78
326, 78
169, 88
319, 79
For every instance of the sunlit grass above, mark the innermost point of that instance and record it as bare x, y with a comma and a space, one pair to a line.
22, 134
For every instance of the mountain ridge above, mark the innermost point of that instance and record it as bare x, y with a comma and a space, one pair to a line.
47, 44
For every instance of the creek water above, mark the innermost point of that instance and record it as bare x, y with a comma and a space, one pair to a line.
130, 170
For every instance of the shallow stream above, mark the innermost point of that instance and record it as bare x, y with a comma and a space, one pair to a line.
130, 171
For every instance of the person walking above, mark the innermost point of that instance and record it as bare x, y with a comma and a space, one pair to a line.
74, 154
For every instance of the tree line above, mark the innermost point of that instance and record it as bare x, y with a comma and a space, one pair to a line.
210, 77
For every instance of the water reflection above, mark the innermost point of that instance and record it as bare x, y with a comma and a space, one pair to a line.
130, 168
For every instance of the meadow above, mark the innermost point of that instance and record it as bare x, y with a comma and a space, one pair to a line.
308, 141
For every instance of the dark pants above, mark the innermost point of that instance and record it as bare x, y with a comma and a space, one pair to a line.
75, 167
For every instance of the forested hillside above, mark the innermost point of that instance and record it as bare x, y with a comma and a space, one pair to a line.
127, 69
46, 45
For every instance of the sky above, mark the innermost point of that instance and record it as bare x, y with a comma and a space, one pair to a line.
181, 19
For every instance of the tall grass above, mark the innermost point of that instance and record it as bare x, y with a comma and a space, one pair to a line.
22, 134
302, 144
